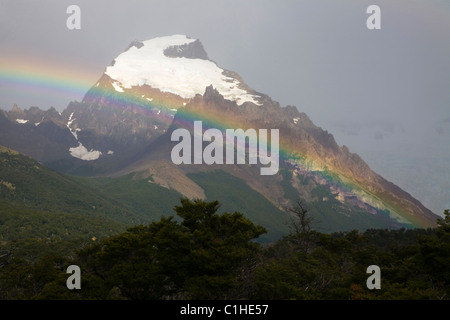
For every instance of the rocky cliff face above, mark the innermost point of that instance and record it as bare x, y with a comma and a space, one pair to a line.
36, 133
193, 50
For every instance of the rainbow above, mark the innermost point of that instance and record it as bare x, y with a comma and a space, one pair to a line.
57, 80
338, 183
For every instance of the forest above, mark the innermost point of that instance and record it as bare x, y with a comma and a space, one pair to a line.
199, 254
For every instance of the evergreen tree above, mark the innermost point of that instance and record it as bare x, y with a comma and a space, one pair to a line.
197, 258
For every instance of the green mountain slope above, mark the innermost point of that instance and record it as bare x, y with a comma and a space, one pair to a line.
152, 201
29, 233
149, 200
42, 211
236, 195
26, 183
49, 207
46, 212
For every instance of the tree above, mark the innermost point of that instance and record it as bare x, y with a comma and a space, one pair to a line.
301, 221
197, 258
435, 256
444, 224
219, 244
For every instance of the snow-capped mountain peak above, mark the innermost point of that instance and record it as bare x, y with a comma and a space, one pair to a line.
174, 64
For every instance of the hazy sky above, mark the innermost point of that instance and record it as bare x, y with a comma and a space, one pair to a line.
384, 93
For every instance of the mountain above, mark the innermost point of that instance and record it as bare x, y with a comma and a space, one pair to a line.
124, 125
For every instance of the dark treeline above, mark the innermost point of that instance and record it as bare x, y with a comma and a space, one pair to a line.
201, 254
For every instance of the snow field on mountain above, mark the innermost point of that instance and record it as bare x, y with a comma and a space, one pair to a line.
81, 152
181, 76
